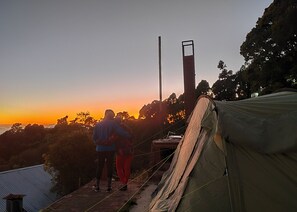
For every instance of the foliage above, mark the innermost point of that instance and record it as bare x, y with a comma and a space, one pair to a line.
84, 119
230, 86
125, 116
16, 128
155, 121
202, 88
150, 111
62, 121
175, 109
22, 147
70, 160
224, 87
270, 48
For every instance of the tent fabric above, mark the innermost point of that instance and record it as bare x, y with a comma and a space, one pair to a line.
208, 181
261, 123
262, 182
174, 181
235, 156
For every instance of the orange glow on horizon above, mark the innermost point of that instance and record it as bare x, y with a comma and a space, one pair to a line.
50, 115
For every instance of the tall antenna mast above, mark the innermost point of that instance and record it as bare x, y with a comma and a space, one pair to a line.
160, 86
160, 69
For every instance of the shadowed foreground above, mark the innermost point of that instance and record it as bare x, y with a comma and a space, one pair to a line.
85, 199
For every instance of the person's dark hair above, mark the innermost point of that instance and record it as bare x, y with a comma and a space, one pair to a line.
109, 114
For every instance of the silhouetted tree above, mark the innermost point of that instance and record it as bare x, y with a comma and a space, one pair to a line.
175, 109
16, 128
70, 160
62, 121
225, 87
85, 119
202, 88
123, 115
150, 111
22, 147
270, 49
242, 85
34, 133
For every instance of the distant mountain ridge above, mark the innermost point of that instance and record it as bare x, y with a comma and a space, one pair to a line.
5, 127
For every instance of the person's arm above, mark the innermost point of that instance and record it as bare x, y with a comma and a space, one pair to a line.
96, 137
121, 132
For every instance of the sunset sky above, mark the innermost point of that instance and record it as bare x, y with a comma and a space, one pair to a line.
62, 57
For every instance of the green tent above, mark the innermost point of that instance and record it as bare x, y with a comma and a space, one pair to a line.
235, 156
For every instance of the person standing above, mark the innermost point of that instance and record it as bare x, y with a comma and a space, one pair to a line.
105, 147
124, 156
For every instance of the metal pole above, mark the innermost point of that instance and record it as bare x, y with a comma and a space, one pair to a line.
160, 69
160, 85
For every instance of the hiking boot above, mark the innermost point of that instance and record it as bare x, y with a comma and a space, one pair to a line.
124, 188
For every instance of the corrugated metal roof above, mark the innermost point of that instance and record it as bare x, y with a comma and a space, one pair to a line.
33, 182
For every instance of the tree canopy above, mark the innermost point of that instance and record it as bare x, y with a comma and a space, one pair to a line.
270, 48
202, 88
70, 159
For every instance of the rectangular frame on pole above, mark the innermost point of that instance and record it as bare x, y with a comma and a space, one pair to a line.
189, 75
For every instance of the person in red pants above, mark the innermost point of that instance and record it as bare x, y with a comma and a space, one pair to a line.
124, 156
